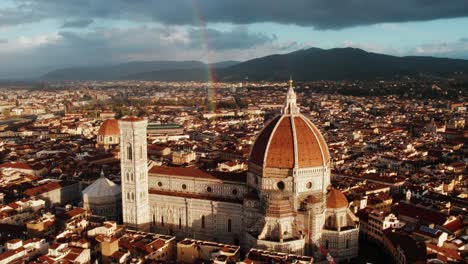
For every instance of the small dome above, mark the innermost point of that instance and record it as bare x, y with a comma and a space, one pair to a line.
102, 187
336, 199
110, 127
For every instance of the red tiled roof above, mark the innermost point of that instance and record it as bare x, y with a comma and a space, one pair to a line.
450, 253
455, 225
50, 186
259, 148
10, 253
274, 147
72, 213
424, 215
15, 165
336, 199
280, 153
310, 142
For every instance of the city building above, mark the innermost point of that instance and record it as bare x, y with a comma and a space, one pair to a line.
280, 206
193, 251
183, 157
164, 129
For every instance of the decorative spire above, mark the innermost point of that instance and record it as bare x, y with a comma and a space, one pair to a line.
102, 173
291, 107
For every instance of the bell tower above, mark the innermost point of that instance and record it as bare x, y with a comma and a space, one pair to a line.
134, 173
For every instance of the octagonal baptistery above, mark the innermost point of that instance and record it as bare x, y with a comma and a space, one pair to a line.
290, 155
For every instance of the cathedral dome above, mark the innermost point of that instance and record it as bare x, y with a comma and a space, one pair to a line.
336, 199
110, 127
290, 141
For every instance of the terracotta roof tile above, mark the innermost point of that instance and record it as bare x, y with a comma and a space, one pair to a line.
110, 127
280, 153
274, 147
336, 199
15, 165
259, 148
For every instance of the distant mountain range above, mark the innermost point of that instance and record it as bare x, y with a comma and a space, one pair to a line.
130, 70
308, 64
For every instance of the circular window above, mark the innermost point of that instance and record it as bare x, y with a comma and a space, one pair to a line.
184, 186
159, 184
309, 185
208, 189
234, 192
280, 185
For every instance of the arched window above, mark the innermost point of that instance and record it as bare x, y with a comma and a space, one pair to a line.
330, 221
128, 196
129, 151
203, 221
229, 225
326, 244
180, 223
347, 243
162, 220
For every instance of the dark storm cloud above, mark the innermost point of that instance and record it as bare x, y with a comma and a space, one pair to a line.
321, 14
79, 23
238, 38
13, 16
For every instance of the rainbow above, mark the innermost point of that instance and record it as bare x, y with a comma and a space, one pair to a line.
210, 73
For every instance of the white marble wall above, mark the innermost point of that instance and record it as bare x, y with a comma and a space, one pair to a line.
182, 216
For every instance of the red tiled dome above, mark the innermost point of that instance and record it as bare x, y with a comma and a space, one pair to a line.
336, 199
110, 127
290, 141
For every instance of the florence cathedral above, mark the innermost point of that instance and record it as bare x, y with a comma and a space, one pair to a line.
285, 204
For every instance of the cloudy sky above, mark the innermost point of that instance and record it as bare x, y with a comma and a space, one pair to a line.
39, 35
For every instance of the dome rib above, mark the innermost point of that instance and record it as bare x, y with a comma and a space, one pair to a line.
322, 143
257, 154
280, 149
